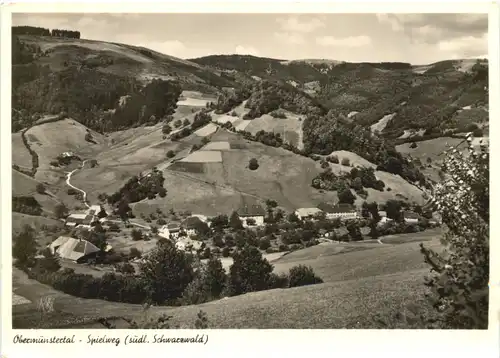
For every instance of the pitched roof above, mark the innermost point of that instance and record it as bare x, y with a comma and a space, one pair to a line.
307, 211
339, 208
410, 215
173, 227
191, 222
382, 214
251, 210
72, 249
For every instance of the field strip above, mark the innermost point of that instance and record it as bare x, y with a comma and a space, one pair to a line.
214, 185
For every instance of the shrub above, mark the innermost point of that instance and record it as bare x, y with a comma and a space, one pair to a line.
170, 154
346, 162
302, 275
253, 164
333, 159
278, 281
25, 247
136, 234
40, 188
60, 211
134, 253
264, 243
413, 145
125, 268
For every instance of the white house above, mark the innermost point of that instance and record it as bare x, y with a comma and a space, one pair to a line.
190, 225
170, 231
304, 213
339, 211
410, 217
251, 213
383, 218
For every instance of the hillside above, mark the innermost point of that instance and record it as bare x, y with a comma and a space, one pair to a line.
360, 280
421, 97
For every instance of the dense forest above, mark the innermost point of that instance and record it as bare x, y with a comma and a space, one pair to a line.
40, 31
87, 95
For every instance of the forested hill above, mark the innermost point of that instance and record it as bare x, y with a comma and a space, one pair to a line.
56, 71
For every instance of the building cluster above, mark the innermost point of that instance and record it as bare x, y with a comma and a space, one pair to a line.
84, 219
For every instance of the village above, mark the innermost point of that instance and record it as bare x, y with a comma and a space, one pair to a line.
97, 239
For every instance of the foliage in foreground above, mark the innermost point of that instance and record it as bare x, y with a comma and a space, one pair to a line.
460, 275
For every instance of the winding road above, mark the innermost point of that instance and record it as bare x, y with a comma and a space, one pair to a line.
68, 178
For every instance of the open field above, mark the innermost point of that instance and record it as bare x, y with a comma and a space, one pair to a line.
358, 285
206, 130
36, 222
217, 146
20, 154
290, 128
204, 156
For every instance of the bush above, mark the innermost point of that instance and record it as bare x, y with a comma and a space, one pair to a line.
136, 234
333, 159
264, 243
346, 162
161, 221
253, 164
125, 268
278, 281
302, 275
60, 211
170, 154
40, 188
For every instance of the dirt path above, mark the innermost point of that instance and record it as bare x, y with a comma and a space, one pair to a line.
68, 178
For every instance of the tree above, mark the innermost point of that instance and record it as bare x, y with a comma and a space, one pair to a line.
253, 164
166, 272
126, 268
346, 162
170, 154
40, 188
136, 234
460, 275
216, 277
166, 129
346, 196
49, 262
177, 123
235, 222
393, 209
186, 122
413, 145
60, 211
102, 213
25, 247
249, 271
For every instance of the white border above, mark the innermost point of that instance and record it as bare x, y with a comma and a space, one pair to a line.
277, 342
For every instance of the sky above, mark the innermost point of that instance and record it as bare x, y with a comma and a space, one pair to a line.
414, 38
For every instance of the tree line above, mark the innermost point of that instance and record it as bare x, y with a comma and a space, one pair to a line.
41, 31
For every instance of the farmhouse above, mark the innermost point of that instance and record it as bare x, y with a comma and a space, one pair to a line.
170, 231
251, 215
410, 217
191, 224
79, 220
383, 217
72, 249
339, 211
304, 213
